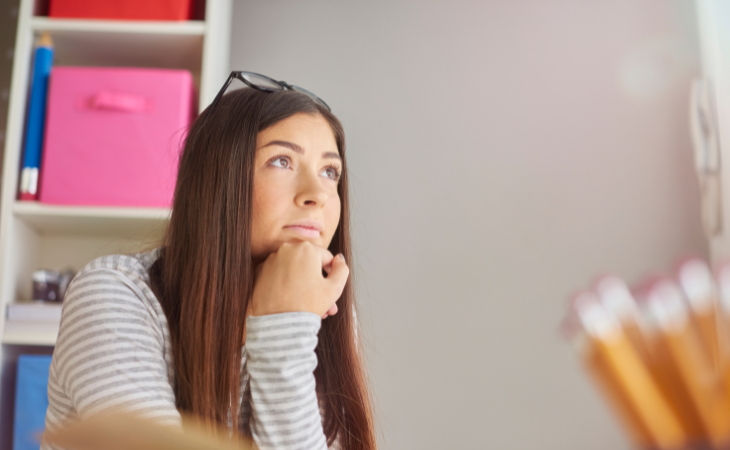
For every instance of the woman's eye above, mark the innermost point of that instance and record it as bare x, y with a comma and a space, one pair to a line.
331, 173
281, 162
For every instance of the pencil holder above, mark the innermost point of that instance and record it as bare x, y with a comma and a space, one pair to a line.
660, 354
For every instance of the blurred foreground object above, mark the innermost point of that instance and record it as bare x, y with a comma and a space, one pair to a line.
125, 432
660, 354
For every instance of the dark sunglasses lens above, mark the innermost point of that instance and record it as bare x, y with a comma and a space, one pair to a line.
262, 82
304, 91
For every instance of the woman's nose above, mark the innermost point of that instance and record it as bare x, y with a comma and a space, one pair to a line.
311, 192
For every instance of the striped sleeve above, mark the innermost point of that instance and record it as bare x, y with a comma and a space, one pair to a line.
110, 353
280, 365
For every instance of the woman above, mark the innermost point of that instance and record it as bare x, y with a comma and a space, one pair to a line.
260, 209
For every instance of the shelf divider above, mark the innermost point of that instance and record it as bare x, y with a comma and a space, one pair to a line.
85, 220
190, 27
44, 339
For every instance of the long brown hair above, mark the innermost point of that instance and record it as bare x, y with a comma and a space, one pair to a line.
205, 274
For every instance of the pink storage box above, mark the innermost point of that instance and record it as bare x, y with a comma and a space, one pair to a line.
113, 135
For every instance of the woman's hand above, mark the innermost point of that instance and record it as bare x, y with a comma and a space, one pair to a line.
291, 280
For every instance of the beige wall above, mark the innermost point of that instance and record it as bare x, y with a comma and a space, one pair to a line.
503, 153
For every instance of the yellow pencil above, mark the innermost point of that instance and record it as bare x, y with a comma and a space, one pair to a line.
640, 403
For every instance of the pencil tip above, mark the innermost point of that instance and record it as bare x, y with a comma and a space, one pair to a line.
45, 40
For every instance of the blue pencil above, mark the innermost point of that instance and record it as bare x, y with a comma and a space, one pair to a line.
36, 118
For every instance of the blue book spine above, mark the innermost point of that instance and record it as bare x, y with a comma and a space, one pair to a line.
36, 123
31, 401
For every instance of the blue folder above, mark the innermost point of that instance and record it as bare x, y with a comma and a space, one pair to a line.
31, 401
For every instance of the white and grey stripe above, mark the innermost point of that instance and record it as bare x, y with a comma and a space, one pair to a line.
113, 352
281, 362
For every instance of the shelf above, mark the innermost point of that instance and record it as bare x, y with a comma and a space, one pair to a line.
110, 43
30, 333
98, 221
190, 27
30, 338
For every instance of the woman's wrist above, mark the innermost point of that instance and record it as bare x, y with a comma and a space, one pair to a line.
298, 329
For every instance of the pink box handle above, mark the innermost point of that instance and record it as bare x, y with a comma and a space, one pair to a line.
118, 101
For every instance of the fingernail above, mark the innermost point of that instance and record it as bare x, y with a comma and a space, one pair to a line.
341, 256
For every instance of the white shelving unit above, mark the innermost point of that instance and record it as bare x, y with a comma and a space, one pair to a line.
34, 235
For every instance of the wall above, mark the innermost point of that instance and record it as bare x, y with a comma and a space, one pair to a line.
503, 153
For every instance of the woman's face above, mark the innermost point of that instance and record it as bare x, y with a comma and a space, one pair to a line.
295, 198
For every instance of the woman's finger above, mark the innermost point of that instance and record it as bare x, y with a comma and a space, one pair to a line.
337, 277
330, 312
326, 261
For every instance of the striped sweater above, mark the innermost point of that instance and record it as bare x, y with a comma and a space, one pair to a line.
114, 352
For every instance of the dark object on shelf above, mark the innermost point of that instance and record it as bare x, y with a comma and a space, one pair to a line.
50, 285
121, 9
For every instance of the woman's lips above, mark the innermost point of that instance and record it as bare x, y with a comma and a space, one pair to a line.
305, 231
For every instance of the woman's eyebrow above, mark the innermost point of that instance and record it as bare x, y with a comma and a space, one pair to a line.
294, 147
289, 145
331, 155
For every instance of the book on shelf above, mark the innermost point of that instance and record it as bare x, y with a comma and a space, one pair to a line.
44, 328
36, 311
35, 121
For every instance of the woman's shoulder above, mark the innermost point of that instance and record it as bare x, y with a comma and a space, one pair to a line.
113, 346
120, 279
134, 266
